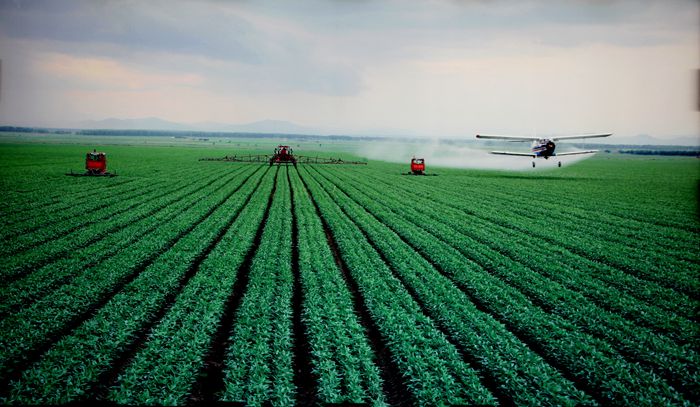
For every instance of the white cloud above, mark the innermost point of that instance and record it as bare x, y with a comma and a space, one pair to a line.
437, 68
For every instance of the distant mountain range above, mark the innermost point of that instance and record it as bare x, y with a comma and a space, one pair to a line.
285, 127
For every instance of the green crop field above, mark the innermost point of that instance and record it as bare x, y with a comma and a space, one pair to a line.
184, 282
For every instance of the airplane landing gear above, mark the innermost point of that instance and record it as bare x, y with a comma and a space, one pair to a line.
559, 164
533, 164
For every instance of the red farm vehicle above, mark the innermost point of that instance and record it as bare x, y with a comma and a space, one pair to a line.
417, 167
95, 166
282, 155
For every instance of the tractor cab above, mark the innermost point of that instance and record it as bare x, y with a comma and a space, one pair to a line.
95, 165
283, 151
283, 155
417, 166
96, 162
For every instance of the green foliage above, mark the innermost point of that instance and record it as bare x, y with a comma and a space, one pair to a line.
565, 287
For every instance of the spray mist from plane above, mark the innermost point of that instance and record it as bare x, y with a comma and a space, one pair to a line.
452, 155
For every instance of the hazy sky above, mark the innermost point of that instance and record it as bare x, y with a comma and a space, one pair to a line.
434, 68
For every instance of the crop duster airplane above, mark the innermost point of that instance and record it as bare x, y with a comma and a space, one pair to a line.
542, 147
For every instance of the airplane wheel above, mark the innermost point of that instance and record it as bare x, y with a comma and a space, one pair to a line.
559, 163
533, 164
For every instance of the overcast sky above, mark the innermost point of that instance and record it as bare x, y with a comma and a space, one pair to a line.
433, 68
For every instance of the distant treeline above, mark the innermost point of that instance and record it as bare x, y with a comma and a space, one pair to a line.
42, 130
179, 133
202, 135
686, 153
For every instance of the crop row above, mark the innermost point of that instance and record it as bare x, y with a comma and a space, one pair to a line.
676, 362
608, 374
639, 253
166, 369
621, 192
60, 270
92, 199
258, 365
42, 229
139, 207
42, 200
619, 206
571, 270
154, 378
342, 357
74, 365
484, 217
519, 374
674, 242
431, 366
33, 326
658, 266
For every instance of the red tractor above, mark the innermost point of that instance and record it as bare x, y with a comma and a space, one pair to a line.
283, 155
95, 165
417, 167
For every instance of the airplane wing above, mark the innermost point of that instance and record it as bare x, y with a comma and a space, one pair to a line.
577, 152
580, 136
510, 138
510, 153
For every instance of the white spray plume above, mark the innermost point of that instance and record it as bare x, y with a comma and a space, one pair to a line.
452, 155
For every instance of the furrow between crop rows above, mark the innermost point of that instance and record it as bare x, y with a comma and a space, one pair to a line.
41, 281
175, 299
641, 289
399, 319
69, 306
24, 263
484, 341
491, 235
129, 311
93, 202
208, 384
258, 364
37, 235
305, 378
398, 260
344, 341
675, 363
416, 235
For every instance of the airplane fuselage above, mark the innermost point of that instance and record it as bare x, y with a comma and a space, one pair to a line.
543, 148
